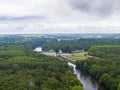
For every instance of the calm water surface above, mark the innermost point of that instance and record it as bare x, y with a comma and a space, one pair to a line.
87, 81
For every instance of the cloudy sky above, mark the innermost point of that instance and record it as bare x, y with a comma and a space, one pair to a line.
59, 16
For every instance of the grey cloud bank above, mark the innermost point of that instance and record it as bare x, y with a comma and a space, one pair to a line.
97, 7
59, 16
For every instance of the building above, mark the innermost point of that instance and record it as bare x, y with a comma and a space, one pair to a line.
39, 49
60, 51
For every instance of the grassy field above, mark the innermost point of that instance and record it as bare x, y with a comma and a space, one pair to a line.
79, 56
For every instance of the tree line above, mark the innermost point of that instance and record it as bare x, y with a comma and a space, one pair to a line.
107, 69
23, 69
80, 44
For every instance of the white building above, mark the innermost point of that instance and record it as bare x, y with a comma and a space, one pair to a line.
39, 49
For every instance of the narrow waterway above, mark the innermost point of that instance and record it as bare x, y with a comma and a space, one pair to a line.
87, 81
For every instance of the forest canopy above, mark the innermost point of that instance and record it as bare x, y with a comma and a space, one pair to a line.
106, 69
23, 69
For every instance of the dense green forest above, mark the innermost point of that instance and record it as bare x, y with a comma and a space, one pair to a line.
106, 69
23, 69
105, 51
66, 43
80, 44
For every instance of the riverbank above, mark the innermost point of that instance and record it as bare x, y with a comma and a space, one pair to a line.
68, 80
87, 81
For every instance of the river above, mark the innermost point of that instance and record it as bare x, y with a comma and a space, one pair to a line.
87, 81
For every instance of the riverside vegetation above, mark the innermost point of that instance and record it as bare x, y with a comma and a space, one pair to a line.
107, 69
23, 69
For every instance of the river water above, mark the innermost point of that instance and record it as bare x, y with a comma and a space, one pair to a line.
87, 81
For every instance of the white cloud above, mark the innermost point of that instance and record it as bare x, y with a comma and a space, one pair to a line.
58, 16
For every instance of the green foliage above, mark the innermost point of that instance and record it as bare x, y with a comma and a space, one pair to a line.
78, 56
81, 44
107, 69
105, 51
118, 87
11, 53
77, 88
24, 69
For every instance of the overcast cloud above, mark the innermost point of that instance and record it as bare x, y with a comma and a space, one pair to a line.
59, 16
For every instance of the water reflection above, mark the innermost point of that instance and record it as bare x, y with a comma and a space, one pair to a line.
87, 81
